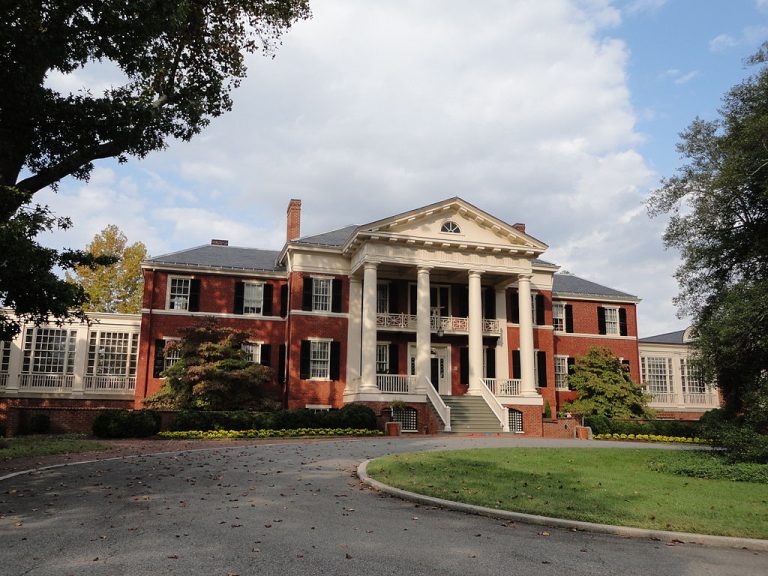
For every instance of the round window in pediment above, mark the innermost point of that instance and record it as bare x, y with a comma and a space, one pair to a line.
451, 227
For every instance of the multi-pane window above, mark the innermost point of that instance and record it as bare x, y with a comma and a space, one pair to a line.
253, 298
693, 383
450, 227
407, 418
5, 356
252, 352
172, 353
49, 350
558, 316
178, 295
319, 359
611, 320
561, 372
382, 298
657, 373
321, 294
112, 353
515, 421
382, 358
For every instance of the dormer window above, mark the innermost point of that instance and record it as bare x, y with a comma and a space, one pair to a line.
450, 227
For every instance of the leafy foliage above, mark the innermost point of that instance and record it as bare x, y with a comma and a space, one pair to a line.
603, 425
212, 372
178, 62
718, 207
605, 388
126, 424
114, 288
709, 465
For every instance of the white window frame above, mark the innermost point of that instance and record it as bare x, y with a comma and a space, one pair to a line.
255, 303
168, 360
657, 374
533, 309
382, 357
320, 359
5, 356
692, 381
43, 344
102, 353
322, 294
173, 298
516, 421
561, 372
252, 351
558, 316
612, 326
382, 297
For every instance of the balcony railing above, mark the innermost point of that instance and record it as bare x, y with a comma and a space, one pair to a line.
502, 386
3, 380
701, 398
448, 324
47, 382
394, 383
103, 383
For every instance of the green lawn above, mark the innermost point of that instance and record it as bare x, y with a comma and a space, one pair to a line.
604, 485
32, 446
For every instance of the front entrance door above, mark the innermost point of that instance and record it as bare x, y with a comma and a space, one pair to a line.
439, 366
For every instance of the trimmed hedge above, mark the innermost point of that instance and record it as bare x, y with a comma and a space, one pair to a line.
126, 424
249, 434
603, 425
355, 416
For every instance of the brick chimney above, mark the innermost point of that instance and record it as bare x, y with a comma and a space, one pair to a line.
217, 242
293, 220
520, 227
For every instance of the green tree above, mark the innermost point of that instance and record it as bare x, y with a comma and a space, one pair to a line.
212, 372
179, 59
718, 207
114, 288
605, 388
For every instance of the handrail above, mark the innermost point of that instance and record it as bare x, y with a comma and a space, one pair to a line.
503, 386
501, 412
442, 409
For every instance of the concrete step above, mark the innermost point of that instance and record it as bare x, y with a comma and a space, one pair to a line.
471, 414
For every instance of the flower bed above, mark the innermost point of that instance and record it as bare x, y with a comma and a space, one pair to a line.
648, 438
252, 434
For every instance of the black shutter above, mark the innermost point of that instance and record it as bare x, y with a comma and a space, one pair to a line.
623, 321
336, 295
517, 373
281, 364
600, 320
513, 310
394, 300
490, 303
464, 364
394, 367
283, 300
571, 365
463, 301
490, 362
304, 360
541, 360
239, 297
568, 318
540, 309
194, 295
335, 360
266, 354
266, 305
159, 358
445, 305
412, 299
306, 295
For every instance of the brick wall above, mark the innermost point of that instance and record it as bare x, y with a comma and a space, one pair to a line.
560, 428
532, 420
427, 421
65, 415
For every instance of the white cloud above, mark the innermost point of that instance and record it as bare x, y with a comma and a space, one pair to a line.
762, 6
749, 37
643, 6
685, 78
722, 42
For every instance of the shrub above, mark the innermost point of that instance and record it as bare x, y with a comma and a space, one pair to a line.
603, 425
126, 424
599, 424
358, 416
709, 465
741, 442
35, 424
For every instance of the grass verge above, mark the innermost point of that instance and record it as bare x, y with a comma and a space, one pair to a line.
33, 446
603, 485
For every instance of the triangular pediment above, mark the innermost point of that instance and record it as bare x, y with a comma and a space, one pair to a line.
452, 221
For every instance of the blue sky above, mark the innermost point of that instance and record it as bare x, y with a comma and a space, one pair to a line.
562, 114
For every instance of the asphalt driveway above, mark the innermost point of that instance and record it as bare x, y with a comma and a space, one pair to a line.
296, 509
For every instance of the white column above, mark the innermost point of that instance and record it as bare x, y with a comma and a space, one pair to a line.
354, 327
502, 352
475, 332
15, 363
81, 357
368, 363
423, 328
528, 386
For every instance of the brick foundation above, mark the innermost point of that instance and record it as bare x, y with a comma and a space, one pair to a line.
560, 428
532, 422
65, 415
427, 422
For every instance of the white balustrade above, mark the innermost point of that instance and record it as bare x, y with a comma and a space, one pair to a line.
448, 324
394, 383
442, 409
701, 399
501, 412
502, 386
663, 398
104, 383
48, 382
389, 320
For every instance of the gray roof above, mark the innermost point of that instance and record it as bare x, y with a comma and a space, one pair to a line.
668, 338
333, 238
228, 257
570, 285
